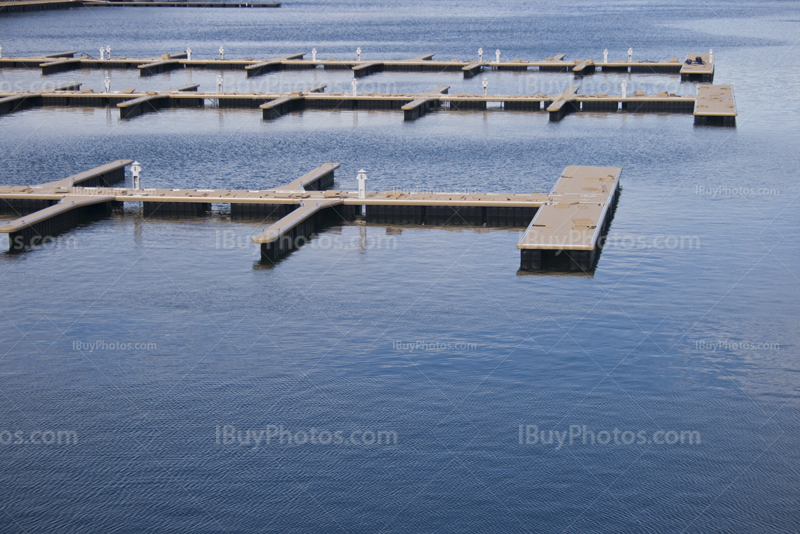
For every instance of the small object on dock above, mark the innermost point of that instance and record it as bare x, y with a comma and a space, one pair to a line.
221, 53
107, 83
313, 54
108, 52
480, 55
485, 87
1, 51
497, 56
630, 55
358, 54
605, 55
102, 53
355, 87
219, 83
188, 54
136, 171
711, 56
698, 67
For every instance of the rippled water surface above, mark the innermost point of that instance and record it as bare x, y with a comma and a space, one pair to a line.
159, 343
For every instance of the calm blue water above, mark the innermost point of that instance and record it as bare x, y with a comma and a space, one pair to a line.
159, 342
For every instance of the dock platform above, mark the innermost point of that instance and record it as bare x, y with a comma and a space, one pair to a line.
690, 70
563, 226
712, 105
17, 6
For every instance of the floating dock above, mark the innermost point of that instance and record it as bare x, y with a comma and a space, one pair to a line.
690, 70
563, 226
17, 6
713, 104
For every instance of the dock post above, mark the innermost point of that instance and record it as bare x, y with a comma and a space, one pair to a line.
313, 54
362, 187
605, 55
107, 82
188, 53
1, 51
485, 87
355, 87
710, 56
624, 93
219, 83
136, 170
480, 55
102, 53
221, 53
358, 53
630, 55
108, 52
497, 55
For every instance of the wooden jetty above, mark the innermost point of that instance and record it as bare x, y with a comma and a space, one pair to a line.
712, 105
17, 6
563, 227
695, 71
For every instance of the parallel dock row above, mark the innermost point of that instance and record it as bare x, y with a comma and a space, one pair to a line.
696, 67
563, 226
18, 6
713, 104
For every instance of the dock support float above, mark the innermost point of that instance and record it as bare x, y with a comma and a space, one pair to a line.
41, 226
365, 69
10, 104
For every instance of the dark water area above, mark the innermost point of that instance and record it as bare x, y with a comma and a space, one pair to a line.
158, 344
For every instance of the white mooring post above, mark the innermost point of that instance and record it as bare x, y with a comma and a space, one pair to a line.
1, 51
624, 89
480, 55
102, 53
313, 54
711, 56
630, 55
107, 82
188, 54
108, 52
136, 171
605, 55
358, 53
362, 184
221, 53
485, 87
497, 55
219, 83
355, 87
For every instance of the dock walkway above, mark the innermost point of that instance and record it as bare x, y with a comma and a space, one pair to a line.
713, 104
563, 226
695, 71
17, 6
